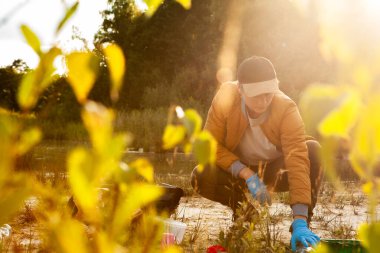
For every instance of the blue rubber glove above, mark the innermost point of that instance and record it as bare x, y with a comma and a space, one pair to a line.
258, 189
301, 233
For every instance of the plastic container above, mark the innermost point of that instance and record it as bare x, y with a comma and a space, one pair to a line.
167, 239
176, 228
344, 246
5, 231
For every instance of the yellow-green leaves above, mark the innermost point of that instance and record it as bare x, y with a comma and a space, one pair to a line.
107, 147
185, 3
36, 81
116, 65
154, 4
12, 195
365, 150
28, 139
204, 148
341, 119
369, 235
353, 116
32, 39
173, 135
190, 135
82, 72
193, 122
330, 110
83, 68
67, 235
132, 198
98, 121
316, 102
83, 183
69, 13
143, 168
14, 187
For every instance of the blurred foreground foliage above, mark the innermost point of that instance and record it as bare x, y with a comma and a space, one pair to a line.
109, 193
341, 113
344, 114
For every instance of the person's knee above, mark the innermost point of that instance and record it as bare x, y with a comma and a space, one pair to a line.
313, 146
314, 150
316, 168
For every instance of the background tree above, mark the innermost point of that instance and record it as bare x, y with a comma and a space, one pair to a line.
175, 50
10, 77
277, 30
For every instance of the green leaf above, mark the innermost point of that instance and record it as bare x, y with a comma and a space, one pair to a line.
316, 102
46, 68
81, 176
67, 16
36, 81
342, 119
98, 121
369, 235
152, 6
105, 244
28, 139
12, 197
110, 155
192, 122
82, 72
185, 3
173, 135
133, 198
27, 93
204, 148
68, 235
365, 150
144, 168
32, 39
116, 65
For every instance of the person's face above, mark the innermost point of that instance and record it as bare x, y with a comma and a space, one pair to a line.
258, 104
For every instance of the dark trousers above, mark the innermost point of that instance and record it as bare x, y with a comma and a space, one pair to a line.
218, 185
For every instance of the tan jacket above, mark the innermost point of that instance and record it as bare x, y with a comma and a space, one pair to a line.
284, 128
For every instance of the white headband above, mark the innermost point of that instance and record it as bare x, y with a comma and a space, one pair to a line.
255, 89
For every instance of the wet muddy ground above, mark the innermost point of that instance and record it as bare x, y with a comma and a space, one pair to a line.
336, 216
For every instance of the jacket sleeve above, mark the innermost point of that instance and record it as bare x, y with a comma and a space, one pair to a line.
216, 124
293, 142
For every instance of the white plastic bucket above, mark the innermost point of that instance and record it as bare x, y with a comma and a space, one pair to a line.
176, 228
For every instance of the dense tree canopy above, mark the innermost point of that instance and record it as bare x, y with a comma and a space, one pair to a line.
175, 49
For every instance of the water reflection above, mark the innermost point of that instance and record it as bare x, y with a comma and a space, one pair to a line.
50, 159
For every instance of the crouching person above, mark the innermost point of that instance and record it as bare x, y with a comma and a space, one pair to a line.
262, 147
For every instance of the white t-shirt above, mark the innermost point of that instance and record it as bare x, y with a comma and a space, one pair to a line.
254, 145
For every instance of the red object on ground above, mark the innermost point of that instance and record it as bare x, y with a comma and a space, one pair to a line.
216, 249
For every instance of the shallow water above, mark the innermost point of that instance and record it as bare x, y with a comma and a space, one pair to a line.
51, 156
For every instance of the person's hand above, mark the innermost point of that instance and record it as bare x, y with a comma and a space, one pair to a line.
258, 189
301, 233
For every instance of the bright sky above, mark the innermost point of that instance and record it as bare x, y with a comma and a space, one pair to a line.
43, 16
